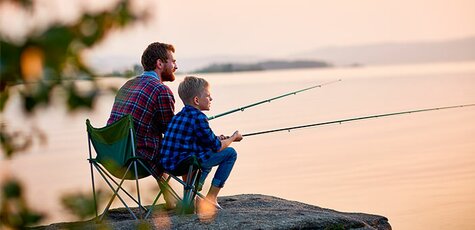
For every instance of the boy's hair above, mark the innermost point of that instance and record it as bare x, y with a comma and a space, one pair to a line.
154, 52
191, 87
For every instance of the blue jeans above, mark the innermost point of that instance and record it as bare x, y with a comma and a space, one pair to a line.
225, 162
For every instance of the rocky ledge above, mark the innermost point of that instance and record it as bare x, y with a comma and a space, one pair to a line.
248, 211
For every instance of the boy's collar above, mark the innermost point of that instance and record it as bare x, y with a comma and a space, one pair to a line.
192, 107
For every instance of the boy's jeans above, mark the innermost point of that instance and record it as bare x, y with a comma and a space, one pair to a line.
225, 162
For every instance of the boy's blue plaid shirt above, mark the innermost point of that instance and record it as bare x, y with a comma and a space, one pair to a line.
188, 134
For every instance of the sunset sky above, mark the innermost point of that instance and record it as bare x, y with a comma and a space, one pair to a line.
272, 28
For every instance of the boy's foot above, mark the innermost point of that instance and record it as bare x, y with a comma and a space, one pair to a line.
199, 199
205, 210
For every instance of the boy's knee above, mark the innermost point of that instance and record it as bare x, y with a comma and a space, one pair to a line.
231, 153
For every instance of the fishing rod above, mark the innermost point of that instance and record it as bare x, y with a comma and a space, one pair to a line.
271, 99
353, 119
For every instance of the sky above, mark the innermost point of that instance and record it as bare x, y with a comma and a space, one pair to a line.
266, 28
249, 27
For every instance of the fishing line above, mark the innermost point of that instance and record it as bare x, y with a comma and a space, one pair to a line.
354, 119
271, 99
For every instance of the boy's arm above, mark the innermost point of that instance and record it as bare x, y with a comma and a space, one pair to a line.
227, 141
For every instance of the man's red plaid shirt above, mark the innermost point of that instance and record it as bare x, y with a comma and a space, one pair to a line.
152, 105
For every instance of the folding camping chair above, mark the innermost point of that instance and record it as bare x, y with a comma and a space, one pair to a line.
115, 157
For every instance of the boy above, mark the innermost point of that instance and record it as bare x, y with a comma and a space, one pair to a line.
189, 134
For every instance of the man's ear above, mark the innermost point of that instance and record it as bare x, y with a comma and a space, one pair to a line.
159, 64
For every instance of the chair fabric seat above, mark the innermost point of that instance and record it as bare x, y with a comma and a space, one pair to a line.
115, 149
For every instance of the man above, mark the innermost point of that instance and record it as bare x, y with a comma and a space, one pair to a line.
149, 101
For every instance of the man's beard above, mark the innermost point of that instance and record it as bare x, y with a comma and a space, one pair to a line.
168, 75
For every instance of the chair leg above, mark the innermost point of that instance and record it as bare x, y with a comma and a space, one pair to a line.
150, 210
92, 173
186, 205
117, 184
170, 189
189, 191
138, 189
93, 190
116, 190
144, 212
164, 187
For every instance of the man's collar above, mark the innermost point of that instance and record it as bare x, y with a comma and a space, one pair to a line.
152, 74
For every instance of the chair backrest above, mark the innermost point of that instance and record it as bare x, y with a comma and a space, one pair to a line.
115, 147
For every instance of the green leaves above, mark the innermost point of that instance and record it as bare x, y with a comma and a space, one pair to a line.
79, 100
81, 205
36, 66
11, 190
13, 141
14, 212
46, 59
53, 58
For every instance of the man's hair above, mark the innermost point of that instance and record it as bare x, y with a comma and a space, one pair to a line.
190, 87
154, 52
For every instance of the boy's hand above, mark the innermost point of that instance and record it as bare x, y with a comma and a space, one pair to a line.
228, 140
222, 137
237, 136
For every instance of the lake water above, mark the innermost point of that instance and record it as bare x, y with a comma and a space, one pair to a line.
417, 169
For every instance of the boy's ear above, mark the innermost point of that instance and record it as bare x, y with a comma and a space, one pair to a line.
196, 100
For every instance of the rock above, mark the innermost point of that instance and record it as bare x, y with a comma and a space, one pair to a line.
248, 211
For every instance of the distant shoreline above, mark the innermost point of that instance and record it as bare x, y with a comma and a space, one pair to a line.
261, 66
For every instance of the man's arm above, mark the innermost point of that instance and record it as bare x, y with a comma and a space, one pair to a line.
166, 110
